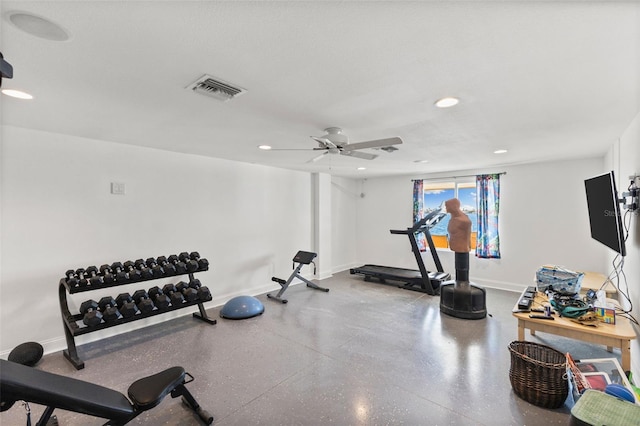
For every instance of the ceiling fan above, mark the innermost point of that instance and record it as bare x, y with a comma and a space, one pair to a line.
336, 142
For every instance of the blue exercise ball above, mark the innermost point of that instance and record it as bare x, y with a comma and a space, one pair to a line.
242, 307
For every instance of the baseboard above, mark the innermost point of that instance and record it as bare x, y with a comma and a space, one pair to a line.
339, 268
499, 285
59, 343
490, 283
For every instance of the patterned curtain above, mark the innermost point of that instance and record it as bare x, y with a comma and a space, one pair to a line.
418, 210
488, 191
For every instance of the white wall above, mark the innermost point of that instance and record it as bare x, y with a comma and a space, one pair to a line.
322, 244
543, 219
624, 159
57, 213
344, 219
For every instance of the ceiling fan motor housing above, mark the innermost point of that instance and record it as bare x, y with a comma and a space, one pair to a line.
335, 135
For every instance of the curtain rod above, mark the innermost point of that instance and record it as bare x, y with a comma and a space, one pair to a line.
461, 176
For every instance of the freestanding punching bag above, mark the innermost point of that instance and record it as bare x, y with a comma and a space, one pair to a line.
463, 299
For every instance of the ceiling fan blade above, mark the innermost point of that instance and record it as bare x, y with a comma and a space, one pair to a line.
292, 149
356, 154
378, 143
319, 157
320, 139
324, 142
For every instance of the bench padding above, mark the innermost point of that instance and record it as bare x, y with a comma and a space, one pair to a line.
149, 391
18, 382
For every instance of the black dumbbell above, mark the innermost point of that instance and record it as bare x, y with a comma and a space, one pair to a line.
190, 294
121, 275
107, 276
72, 278
156, 270
109, 309
160, 299
126, 305
181, 268
82, 281
145, 304
168, 268
94, 278
176, 297
192, 265
203, 264
145, 273
92, 317
130, 268
203, 292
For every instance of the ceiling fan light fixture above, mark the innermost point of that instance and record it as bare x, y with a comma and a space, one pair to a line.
447, 102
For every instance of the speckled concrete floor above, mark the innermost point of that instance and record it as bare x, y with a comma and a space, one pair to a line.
362, 354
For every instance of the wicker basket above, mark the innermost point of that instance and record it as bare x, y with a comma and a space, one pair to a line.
538, 374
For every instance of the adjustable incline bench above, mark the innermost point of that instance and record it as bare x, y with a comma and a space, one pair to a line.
22, 383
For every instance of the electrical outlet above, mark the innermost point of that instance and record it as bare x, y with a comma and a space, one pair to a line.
117, 188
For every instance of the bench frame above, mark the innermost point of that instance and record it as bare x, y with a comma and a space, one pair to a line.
22, 383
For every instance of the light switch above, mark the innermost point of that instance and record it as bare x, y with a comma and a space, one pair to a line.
117, 188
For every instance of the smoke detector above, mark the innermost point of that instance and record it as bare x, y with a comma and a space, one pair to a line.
215, 88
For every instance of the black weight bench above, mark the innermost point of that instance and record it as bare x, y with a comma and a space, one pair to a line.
22, 383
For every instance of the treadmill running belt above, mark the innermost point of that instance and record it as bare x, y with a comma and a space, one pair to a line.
390, 272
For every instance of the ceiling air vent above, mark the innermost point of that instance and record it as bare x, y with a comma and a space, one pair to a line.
215, 88
389, 148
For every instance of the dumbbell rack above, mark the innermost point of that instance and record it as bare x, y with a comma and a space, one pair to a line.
73, 325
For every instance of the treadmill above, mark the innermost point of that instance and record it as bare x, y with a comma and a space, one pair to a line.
418, 280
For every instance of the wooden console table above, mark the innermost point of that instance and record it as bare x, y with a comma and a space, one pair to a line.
595, 280
612, 336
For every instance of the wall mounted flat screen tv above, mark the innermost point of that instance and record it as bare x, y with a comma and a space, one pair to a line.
604, 212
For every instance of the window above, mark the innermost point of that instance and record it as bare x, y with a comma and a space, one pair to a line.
479, 199
433, 197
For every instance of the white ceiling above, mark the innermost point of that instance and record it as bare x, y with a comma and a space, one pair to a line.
544, 80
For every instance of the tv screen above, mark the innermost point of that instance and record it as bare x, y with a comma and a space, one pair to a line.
604, 211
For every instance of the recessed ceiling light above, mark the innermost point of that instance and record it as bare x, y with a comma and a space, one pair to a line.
38, 26
16, 94
500, 151
361, 168
421, 161
265, 147
447, 102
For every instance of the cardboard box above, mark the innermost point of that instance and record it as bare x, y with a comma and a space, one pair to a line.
606, 315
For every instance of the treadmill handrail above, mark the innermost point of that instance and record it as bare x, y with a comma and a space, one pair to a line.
437, 215
399, 231
427, 222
